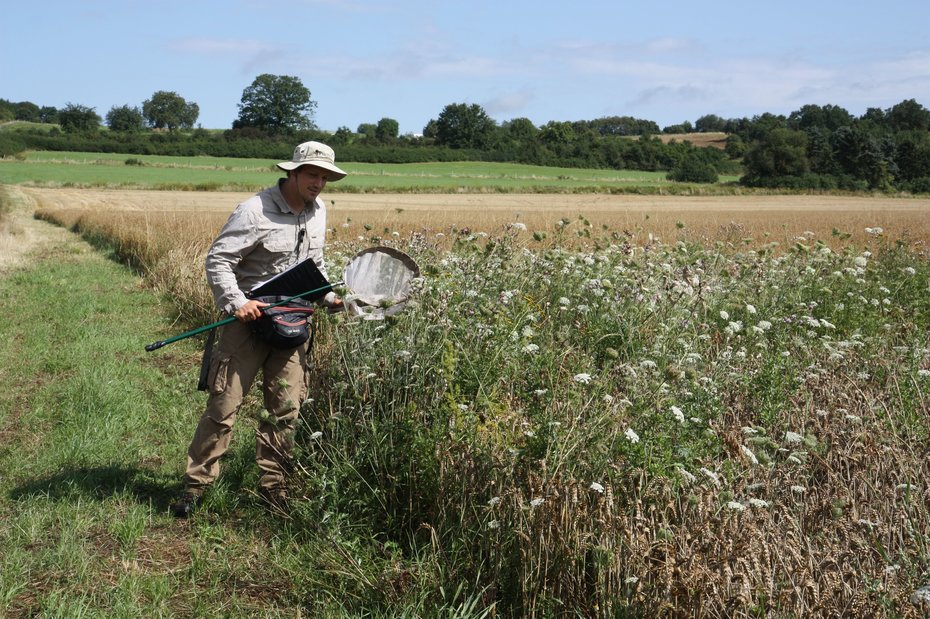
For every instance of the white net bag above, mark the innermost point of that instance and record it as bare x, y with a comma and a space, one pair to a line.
379, 282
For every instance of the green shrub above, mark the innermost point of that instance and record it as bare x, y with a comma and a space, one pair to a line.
693, 170
918, 185
816, 182
11, 144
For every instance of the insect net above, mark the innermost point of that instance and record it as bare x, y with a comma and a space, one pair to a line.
379, 280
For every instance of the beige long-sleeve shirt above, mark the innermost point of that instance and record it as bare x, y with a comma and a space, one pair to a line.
262, 238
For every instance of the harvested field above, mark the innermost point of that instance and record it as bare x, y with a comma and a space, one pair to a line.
728, 218
715, 139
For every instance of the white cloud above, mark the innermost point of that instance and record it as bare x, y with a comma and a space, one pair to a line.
666, 79
913, 64
682, 76
667, 45
406, 66
508, 104
254, 56
683, 93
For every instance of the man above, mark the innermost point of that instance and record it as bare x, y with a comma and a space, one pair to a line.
268, 233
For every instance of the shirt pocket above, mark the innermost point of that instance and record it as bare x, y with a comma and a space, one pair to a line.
315, 241
279, 242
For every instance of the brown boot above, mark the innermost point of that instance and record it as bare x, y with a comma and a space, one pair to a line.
276, 499
186, 504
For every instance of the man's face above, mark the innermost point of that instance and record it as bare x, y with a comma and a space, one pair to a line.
310, 182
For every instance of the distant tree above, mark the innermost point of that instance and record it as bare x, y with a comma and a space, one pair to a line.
367, 129
464, 126
820, 151
864, 155
874, 116
880, 166
762, 125
709, 123
912, 155
27, 111
685, 127
76, 118
584, 131
430, 129
735, 146
7, 113
830, 117
518, 141
780, 152
646, 153
623, 125
387, 130
277, 103
738, 126
169, 110
342, 136
908, 116
125, 119
520, 129
48, 114
835, 117
555, 133
849, 146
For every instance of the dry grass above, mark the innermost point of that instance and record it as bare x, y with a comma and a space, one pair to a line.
715, 139
806, 554
732, 219
174, 228
20, 234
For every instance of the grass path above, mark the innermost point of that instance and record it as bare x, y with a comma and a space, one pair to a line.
92, 438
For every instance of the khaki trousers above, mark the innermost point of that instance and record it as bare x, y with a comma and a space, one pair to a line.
236, 362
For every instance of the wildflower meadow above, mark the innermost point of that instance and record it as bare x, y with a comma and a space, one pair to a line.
625, 427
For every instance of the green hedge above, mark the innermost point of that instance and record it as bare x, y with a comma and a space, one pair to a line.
11, 144
610, 152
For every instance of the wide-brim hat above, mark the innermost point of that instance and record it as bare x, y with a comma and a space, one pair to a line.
315, 154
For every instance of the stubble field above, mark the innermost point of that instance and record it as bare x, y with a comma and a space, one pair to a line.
753, 219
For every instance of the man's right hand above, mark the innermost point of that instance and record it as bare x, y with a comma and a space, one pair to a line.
252, 310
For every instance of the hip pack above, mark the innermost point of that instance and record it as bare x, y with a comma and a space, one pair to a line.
284, 326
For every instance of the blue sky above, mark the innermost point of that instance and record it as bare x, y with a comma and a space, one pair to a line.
667, 61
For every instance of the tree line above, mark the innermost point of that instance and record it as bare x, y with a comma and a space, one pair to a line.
815, 147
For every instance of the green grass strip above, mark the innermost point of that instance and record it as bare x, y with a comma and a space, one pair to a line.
94, 431
93, 435
80, 169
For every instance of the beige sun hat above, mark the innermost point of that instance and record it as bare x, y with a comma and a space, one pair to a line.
315, 154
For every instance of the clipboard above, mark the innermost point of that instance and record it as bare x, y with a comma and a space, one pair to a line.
299, 278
